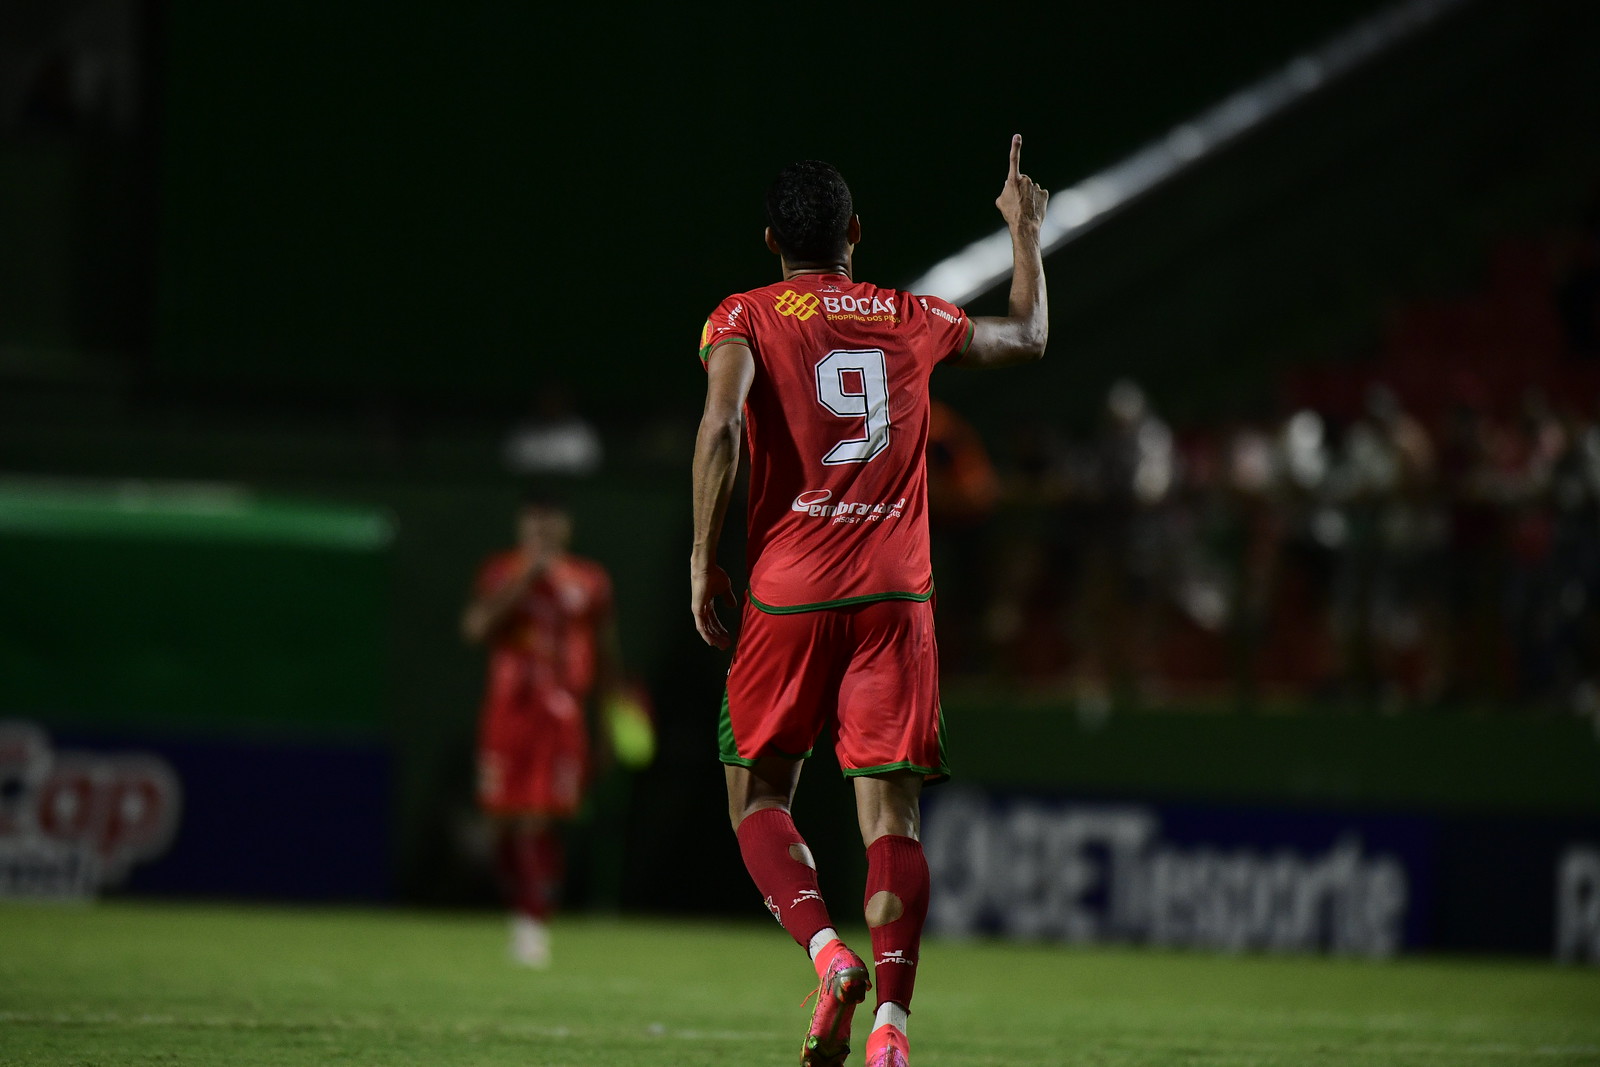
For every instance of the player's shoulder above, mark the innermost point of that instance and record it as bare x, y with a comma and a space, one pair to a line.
589, 571
499, 561
747, 299
732, 319
497, 567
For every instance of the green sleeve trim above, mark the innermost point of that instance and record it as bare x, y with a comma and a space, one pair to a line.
972, 331
849, 601
705, 353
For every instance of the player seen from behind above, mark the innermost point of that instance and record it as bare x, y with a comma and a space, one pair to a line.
827, 378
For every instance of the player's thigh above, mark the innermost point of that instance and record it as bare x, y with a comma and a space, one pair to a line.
530, 763
889, 692
505, 761
781, 687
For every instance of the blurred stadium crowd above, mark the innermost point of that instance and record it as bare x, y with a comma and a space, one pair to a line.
1415, 530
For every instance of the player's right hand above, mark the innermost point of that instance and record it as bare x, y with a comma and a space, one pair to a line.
1022, 200
705, 586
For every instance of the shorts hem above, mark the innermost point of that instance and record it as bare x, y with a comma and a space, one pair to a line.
934, 774
741, 761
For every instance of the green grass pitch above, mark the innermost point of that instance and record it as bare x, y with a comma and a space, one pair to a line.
132, 984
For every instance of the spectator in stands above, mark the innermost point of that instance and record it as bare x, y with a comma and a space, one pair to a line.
1127, 562
963, 490
1473, 489
1533, 594
1382, 606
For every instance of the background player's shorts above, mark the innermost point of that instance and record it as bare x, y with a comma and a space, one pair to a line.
532, 762
867, 674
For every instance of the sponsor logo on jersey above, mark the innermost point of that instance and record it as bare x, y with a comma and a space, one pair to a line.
860, 308
814, 502
800, 305
859, 304
811, 498
954, 320
733, 316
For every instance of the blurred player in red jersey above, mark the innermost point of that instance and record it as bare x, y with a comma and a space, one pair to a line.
828, 379
546, 617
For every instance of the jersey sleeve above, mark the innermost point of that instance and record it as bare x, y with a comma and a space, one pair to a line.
729, 322
600, 586
949, 328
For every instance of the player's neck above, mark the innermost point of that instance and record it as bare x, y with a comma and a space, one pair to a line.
795, 270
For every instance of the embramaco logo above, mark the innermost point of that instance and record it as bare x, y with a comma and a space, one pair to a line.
801, 305
814, 502
811, 498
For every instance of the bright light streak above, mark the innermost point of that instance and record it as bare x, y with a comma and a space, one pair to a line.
986, 263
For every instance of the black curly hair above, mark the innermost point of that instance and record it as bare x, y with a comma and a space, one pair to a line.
809, 209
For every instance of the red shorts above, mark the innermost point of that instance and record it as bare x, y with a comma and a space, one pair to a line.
868, 674
533, 757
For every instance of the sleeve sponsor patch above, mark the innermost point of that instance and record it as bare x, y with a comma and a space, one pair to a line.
725, 324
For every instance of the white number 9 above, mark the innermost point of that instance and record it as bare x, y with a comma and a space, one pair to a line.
854, 384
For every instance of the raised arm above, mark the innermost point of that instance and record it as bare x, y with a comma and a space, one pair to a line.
1020, 336
730, 369
487, 611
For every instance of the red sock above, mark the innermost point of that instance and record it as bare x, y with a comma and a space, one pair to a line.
789, 886
532, 867
897, 865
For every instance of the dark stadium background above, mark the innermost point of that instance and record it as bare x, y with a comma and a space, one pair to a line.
328, 254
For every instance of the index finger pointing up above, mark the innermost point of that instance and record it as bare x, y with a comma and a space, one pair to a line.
1016, 157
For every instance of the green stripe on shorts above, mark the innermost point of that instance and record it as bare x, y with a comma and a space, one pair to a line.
830, 605
727, 747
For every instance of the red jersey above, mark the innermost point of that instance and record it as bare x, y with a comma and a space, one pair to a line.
837, 425
550, 642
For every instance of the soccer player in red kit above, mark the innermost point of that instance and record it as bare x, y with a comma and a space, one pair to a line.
827, 377
546, 616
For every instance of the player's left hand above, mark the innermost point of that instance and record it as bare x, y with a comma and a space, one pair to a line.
1022, 200
704, 589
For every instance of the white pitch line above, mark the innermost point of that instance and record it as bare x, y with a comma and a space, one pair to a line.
237, 1022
